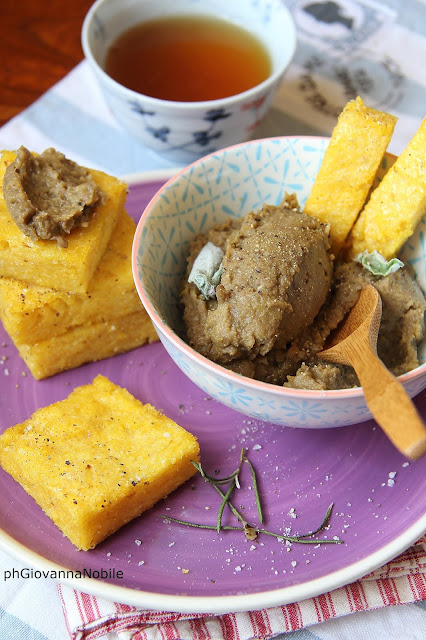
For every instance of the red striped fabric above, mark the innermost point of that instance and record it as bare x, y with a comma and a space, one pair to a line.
401, 581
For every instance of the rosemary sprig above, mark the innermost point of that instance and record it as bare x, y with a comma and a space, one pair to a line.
251, 532
301, 539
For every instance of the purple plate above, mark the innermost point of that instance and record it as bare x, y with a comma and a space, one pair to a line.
379, 497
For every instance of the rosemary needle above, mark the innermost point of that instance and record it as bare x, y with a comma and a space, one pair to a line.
256, 490
225, 499
323, 523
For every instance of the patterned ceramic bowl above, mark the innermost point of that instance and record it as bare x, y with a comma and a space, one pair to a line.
184, 131
226, 184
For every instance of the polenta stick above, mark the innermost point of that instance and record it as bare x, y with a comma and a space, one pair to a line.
348, 168
396, 205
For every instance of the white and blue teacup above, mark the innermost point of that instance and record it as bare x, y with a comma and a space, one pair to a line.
185, 131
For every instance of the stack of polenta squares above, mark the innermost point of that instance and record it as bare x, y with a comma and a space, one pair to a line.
63, 307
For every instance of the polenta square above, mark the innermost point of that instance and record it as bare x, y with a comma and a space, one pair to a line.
87, 342
349, 166
43, 262
97, 459
32, 314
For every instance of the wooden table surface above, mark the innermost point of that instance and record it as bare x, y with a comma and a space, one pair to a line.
39, 44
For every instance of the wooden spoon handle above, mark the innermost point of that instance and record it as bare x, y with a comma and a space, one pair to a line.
390, 405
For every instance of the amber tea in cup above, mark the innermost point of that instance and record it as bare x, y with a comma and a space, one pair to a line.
188, 58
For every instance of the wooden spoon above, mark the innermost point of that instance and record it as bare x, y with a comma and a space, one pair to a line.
355, 343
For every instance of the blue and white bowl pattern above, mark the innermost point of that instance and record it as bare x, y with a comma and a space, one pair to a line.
226, 184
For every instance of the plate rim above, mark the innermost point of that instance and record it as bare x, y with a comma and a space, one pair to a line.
216, 604
221, 604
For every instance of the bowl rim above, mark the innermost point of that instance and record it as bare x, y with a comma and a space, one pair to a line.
228, 101
203, 361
